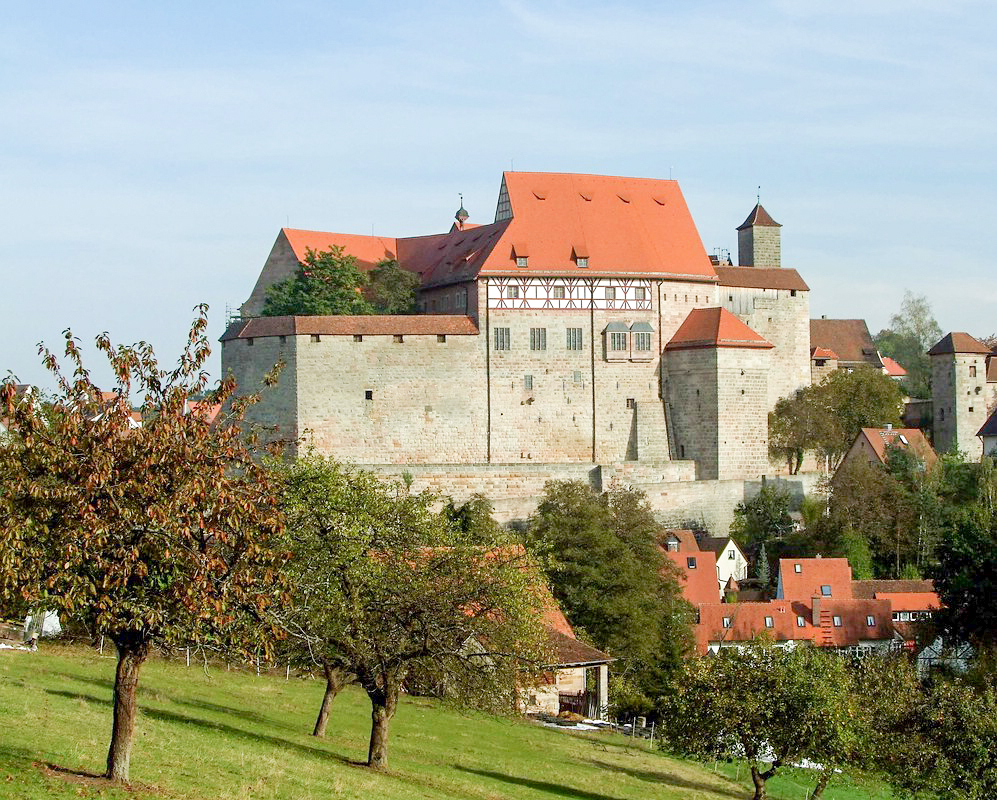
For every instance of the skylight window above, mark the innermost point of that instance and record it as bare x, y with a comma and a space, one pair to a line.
825, 590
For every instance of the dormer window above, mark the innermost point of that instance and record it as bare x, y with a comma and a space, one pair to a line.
672, 545
690, 562
581, 262
522, 261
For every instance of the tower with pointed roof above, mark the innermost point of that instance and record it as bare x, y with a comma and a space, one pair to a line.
758, 242
959, 392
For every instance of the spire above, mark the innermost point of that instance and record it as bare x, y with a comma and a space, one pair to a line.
461, 216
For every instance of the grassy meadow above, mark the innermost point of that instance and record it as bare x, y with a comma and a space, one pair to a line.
219, 735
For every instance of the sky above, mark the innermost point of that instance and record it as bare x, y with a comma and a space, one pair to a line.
150, 153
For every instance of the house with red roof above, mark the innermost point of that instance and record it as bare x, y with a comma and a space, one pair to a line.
873, 445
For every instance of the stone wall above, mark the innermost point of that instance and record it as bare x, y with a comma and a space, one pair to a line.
249, 360
960, 402
759, 246
693, 403
782, 317
280, 265
742, 377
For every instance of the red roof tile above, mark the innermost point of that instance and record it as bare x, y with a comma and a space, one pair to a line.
368, 250
958, 342
714, 327
687, 541
700, 584
911, 601
761, 278
813, 574
893, 369
823, 352
374, 325
849, 338
871, 589
881, 438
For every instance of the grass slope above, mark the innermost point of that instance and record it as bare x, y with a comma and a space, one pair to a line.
233, 735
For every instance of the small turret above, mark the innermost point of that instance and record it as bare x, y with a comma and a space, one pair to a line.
461, 216
758, 242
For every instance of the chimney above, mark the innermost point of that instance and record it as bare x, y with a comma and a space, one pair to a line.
815, 613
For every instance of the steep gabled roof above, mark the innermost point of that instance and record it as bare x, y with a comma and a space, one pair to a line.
958, 342
714, 327
879, 439
813, 574
700, 584
687, 541
368, 250
761, 278
759, 216
849, 338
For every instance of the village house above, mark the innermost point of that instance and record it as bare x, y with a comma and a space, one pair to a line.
872, 445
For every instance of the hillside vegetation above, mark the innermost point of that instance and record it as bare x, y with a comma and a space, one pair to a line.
220, 734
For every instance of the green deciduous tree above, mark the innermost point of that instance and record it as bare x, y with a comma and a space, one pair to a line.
612, 581
392, 290
825, 418
384, 587
912, 332
765, 704
154, 536
325, 283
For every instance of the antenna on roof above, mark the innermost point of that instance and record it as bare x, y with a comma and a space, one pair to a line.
670, 172
758, 196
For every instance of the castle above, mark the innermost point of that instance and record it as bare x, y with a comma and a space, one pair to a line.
584, 333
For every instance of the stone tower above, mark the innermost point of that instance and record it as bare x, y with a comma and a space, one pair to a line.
958, 388
717, 390
758, 242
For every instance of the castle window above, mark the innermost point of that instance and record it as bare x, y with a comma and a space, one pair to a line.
578, 376
502, 339
512, 292
357, 337
283, 339
398, 338
642, 341
631, 402
445, 302
581, 262
970, 409
528, 383
972, 370
316, 337
941, 414
610, 293
574, 339
249, 342
792, 292
462, 299
522, 261
640, 293
681, 451
538, 338
617, 341
368, 394
730, 298
441, 338
557, 292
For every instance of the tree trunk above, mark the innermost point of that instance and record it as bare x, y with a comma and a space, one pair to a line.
383, 701
822, 782
335, 680
132, 652
758, 779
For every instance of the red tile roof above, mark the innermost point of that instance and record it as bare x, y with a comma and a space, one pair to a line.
854, 623
368, 250
700, 584
759, 216
714, 327
761, 278
814, 573
871, 589
849, 338
687, 542
911, 601
823, 352
893, 369
570, 652
881, 438
958, 342
374, 325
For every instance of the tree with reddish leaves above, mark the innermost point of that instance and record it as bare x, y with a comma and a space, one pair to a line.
155, 536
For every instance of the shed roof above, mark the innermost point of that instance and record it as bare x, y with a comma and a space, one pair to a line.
373, 325
761, 278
